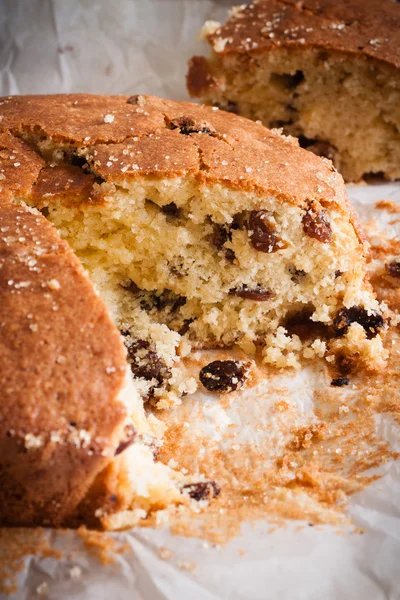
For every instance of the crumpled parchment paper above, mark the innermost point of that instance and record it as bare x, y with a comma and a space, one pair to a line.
142, 46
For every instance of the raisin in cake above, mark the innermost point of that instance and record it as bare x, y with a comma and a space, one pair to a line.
327, 71
132, 230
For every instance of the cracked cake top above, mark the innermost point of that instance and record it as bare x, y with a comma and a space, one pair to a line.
367, 27
119, 138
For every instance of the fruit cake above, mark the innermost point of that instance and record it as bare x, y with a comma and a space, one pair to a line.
326, 71
133, 230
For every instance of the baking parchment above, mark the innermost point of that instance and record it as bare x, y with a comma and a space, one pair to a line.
141, 46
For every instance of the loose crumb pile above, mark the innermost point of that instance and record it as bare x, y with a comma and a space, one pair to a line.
100, 545
306, 470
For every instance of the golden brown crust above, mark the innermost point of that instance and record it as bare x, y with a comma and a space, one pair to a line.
68, 183
59, 378
141, 141
361, 27
19, 166
124, 138
61, 360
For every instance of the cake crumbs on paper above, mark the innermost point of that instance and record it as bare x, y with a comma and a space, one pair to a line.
42, 589
186, 566
388, 205
15, 546
101, 545
165, 553
75, 572
307, 472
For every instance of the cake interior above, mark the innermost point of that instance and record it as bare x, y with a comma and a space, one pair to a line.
343, 107
181, 264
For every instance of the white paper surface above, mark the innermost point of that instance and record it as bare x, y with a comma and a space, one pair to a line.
142, 46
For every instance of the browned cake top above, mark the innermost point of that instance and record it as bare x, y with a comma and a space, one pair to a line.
369, 27
128, 138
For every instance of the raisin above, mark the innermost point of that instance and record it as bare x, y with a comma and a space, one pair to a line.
301, 317
323, 149
171, 210
223, 375
259, 292
338, 274
318, 147
317, 226
230, 255
187, 125
220, 235
304, 327
169, 300
231, 107
185, 327
372, 323
145, 362
340, 381
204, 490
393, 268
166, 301
79, 161
261, 231
129, 438
287, 80
99, 180
132, 287
137, 99
75, 160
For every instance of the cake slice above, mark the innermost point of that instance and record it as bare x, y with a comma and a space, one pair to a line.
75, 443
197, 229
326, 71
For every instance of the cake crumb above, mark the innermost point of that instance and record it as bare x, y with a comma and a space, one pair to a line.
165, 553
42, 589
75, 572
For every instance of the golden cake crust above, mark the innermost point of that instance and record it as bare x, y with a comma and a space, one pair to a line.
126, 138
361, 27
